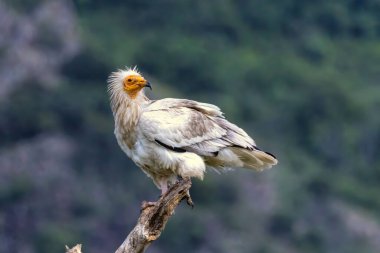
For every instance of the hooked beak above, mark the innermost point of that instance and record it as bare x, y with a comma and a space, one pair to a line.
148, 85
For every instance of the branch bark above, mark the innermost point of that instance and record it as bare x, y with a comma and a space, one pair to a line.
152, 220
76, 249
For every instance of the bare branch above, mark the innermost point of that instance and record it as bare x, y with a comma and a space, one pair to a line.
154, 217
76, 249
152, 220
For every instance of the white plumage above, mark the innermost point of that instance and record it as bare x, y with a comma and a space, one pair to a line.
177, 137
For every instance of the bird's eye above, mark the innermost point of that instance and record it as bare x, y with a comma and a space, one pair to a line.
129, 80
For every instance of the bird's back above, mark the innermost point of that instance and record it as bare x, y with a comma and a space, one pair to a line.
188, 126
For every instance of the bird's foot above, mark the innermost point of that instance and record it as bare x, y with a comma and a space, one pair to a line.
189, 200
164, 191
146, 204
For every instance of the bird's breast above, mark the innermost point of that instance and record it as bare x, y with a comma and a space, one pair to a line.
126, 140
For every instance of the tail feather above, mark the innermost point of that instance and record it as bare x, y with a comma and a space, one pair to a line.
265, 157
255, 159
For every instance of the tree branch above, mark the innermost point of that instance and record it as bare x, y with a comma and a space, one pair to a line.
76, 249
152, 220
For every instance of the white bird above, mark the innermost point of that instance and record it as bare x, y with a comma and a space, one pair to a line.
172, 138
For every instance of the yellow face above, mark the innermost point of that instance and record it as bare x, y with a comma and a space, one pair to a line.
133, 84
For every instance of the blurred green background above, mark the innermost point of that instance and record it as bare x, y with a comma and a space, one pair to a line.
302, 77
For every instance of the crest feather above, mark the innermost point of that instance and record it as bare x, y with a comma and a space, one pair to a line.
116, 78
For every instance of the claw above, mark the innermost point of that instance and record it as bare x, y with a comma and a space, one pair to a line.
189, 201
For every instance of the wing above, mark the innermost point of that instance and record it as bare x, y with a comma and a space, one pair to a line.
167, 103
186, 125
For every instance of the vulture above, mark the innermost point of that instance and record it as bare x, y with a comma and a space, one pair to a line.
177, 138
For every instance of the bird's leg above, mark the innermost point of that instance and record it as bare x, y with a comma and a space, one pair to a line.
164, 187
189, 201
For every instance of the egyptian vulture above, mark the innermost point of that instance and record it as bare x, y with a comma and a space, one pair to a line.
171, 138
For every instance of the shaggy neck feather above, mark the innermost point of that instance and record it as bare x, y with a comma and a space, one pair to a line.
127, 111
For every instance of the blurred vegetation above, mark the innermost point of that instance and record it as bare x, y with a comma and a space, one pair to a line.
302, 77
